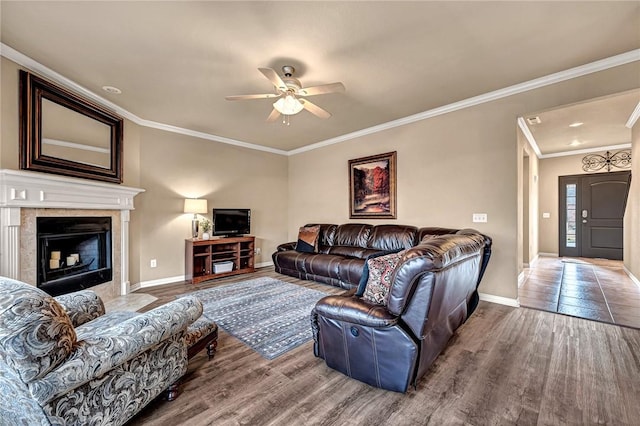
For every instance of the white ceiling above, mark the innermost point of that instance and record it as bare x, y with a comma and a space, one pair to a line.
175, 61
603, 124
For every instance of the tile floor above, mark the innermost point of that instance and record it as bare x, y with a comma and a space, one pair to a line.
596, 289
130, 302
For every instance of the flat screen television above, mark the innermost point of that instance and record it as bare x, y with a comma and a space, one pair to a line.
231, 221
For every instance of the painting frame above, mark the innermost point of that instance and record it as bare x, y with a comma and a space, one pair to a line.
372, 187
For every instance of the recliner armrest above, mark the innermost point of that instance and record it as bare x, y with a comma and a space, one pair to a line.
81, 306
111, 347
355, 310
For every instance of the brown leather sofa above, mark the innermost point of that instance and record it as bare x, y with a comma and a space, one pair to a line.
343, 250
433, 291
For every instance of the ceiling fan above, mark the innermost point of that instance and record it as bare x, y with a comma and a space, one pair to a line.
291, 94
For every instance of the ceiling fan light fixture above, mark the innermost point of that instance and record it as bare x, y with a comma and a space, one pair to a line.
288, 105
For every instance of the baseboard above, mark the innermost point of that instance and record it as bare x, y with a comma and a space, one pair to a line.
161, 281
499, 300
179, 278
535, 259
633, 277
548, 254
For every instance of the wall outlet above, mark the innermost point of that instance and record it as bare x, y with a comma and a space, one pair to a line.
479, 218
153, 263
546, 215
257, 250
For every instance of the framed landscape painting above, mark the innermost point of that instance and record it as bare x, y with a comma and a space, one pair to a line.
372, 187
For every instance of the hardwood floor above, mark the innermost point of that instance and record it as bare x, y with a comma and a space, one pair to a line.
504, 366
596, 289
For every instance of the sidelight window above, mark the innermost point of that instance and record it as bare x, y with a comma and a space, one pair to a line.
570, 203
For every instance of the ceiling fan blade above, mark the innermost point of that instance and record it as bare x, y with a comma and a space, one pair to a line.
273, 78
314, 109
321, 89
273, 116
242, 97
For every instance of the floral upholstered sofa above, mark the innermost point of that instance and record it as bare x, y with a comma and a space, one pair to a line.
63, 361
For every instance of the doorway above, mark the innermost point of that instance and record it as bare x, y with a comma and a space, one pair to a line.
591, 214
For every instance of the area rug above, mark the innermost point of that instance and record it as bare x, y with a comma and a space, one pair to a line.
268, 315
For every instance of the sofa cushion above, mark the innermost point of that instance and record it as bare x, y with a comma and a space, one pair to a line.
327, 234
350, 251
350, 270
432, 231
308, 239
380, 273
321, 264
392, 237
352, 234
36, 334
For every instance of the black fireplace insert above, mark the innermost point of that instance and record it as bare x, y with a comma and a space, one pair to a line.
74, 253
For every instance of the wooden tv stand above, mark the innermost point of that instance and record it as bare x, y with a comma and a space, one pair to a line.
203, 256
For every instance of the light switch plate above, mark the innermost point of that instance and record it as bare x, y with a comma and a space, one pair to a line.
546, 215
479, 218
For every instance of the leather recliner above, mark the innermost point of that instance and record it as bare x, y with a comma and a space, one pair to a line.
433, 291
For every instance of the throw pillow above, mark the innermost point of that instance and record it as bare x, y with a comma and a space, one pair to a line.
379, 282
362, 284
308, 239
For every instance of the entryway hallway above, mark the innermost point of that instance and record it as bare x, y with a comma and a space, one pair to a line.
595, 289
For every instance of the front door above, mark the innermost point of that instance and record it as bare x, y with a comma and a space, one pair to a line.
591, 214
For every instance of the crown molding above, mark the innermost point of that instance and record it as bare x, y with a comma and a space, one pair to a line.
585, 151
208, 136
601, 65
634, 117
29, 63
529, 136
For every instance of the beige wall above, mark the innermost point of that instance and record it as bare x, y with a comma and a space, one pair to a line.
631, 223
9, 117
174, 167
534, 203
449, 167
528, 200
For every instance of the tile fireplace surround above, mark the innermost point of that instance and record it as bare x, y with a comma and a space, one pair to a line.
24, 196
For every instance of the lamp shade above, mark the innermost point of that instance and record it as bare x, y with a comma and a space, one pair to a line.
288, 105
195, 205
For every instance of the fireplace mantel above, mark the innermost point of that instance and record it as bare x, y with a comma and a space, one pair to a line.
22, 189
42, 191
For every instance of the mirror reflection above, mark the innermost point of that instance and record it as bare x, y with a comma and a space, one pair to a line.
75, 137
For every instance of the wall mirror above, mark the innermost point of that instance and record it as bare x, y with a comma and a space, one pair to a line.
64, 134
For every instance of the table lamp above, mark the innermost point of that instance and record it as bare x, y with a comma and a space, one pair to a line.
195, 206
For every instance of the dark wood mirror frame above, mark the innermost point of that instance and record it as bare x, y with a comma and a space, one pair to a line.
32, 91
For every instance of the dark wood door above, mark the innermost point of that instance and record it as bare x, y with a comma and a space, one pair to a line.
591, 214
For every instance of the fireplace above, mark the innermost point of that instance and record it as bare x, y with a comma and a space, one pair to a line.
26, 197
74, 253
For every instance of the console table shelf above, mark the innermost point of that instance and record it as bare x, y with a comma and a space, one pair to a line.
201, 256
